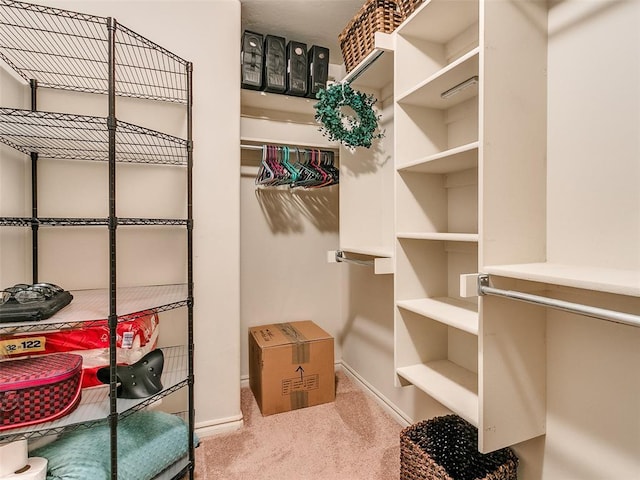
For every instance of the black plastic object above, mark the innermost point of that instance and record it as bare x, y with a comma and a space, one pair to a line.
13, 311
275, 64
252, 58
297, 68
138, 380
318, 58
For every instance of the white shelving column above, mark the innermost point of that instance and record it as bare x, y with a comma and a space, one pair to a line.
366, 175
470, 109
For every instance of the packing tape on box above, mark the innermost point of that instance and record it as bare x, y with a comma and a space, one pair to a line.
13, 456
35, 469
300, 352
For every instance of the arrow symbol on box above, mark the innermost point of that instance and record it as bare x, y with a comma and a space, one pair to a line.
301, 371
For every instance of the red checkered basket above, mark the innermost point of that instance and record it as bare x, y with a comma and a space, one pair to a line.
39, 389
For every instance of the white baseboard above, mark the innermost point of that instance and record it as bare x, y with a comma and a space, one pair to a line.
218, 426
376, 395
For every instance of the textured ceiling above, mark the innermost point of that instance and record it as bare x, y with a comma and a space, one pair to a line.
313, 22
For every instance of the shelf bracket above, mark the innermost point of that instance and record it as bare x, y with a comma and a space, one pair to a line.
381, 265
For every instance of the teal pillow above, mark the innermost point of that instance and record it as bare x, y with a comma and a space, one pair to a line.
148, 442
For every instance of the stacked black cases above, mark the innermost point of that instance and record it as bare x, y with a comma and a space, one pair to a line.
252, 60
275, 64
297, 68
318, 58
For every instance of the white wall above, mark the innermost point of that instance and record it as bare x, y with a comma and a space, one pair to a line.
593, 147
206, 33
13, 200
593, 413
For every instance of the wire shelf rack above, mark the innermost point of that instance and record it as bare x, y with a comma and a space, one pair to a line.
69, 50
84, 137
91, 307
94, 406
77, 222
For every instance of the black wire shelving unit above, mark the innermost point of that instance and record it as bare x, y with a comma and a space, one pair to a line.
60, 49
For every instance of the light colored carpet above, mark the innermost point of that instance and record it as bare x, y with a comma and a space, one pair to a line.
349, 439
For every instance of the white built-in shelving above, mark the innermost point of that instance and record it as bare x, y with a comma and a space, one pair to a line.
366, 174
451, 78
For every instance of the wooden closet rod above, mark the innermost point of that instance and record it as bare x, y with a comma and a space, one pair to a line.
589, 311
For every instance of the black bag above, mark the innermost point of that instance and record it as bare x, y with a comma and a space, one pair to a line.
297, 68
34, 311
275, 64
318, 60
252, 58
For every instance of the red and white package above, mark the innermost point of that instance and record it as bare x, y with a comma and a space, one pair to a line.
134, 339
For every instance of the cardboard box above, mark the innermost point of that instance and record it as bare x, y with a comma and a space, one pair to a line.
291, 366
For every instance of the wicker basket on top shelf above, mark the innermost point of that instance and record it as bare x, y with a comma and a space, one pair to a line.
357, 39
408, 6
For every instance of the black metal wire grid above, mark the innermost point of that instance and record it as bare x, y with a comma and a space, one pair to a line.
69, 50
52, 428
78, 222
83, 137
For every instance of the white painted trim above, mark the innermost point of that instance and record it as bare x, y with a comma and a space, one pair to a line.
219, 426
386, 404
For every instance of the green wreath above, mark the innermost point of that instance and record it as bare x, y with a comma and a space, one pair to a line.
358, 131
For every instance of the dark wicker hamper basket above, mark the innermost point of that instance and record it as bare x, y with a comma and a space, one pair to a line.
445, 448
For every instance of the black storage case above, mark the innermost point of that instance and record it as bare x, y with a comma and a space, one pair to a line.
296, 68
318, 58
252, 60
32, 312
275, 64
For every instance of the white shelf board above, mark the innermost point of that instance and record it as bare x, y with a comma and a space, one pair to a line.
453, 160
621, 282
440, 20
372, 251
427, 93
447, 236
450, 311
453, 386
376, 69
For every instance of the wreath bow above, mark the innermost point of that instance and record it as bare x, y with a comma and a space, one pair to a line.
358, 131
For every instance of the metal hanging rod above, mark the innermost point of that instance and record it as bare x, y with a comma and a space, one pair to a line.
259, 148
251, 147
589, 311
341, 258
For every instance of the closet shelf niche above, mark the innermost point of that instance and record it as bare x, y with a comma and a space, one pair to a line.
452, 85
58, 49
